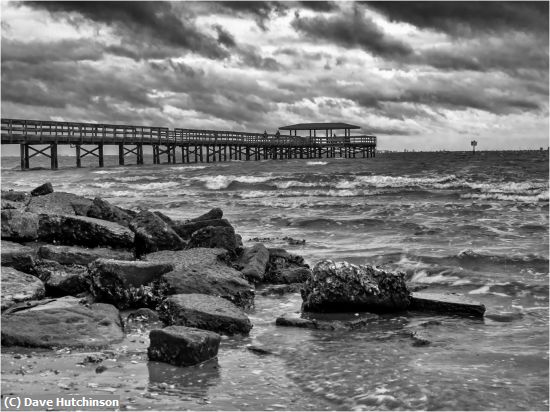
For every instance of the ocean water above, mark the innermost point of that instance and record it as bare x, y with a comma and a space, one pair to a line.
454, 222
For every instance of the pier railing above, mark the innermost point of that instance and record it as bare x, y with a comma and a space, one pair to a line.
19, 131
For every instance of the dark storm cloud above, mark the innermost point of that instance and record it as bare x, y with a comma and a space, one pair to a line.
261, 11
63, 50
156, 18
353, 30
224, 37
321, 6
463, 18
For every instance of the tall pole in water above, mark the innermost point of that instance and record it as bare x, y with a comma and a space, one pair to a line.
474, 144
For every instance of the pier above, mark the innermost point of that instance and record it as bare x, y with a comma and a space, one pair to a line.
178, 145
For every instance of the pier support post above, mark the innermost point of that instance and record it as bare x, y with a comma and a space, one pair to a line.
139, 154
78, 159
100, 152
121, 154
247, 153
24, 156
53, 156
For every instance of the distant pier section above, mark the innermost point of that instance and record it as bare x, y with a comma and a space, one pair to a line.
303, 141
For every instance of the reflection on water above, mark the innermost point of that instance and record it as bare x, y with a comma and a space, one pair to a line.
193, 381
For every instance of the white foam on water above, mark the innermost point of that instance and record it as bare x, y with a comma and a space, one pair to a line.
422, 277
154, 186
107, 172
134, 178
316, 163
191, 167
223, 181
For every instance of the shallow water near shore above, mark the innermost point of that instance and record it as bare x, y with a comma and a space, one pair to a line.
453, 222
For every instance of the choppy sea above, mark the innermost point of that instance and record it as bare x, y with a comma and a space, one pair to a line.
454, 222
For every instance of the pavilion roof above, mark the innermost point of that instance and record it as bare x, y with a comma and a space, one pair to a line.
320, 126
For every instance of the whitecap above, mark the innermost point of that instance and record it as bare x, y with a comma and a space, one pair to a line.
316, 163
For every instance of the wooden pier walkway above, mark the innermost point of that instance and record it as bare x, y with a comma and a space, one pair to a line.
37, 137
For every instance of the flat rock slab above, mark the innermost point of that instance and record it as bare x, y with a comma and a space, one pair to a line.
448, 303
182, 346
61, 280
76, 255
204, 312
63, 323
84, 231
154, 234
18, 287
202, 270
127, 283
59, 203
186, 229
18, 256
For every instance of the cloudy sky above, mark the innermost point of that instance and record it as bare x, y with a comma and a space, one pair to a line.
418, 75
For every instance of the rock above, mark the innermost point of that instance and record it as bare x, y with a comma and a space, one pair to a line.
290, 275
186, 229
214, 237
127, 284
322, 324
166, 219
63, 280
281, 289
204, 312
19, 226
63, 323
182, 346
143, 314
344, 287
84, 231
42, 190
420, 339
284, 267
15, 196
215, 213
450, 303
101, 209
253, 262
258, 350
18, 256
8, 204
59, 203
153, 234
504, 316
203, 270
18, 287
75, 255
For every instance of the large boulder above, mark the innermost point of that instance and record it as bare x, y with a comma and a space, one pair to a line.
18, 256
215, 213
76, 255
62, 280
253, 262
344, 287
182, 346
101, 209
186, 229
204, 270
63, 323
446, 303
59, 203
285, 268
127, 284
18, 287
84, 231
204, 312
18, 225
42, 190
214, 237
153, 234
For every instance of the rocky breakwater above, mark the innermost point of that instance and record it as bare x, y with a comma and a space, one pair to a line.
69, 264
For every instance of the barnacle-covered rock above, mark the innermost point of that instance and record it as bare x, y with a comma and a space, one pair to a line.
344, 287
